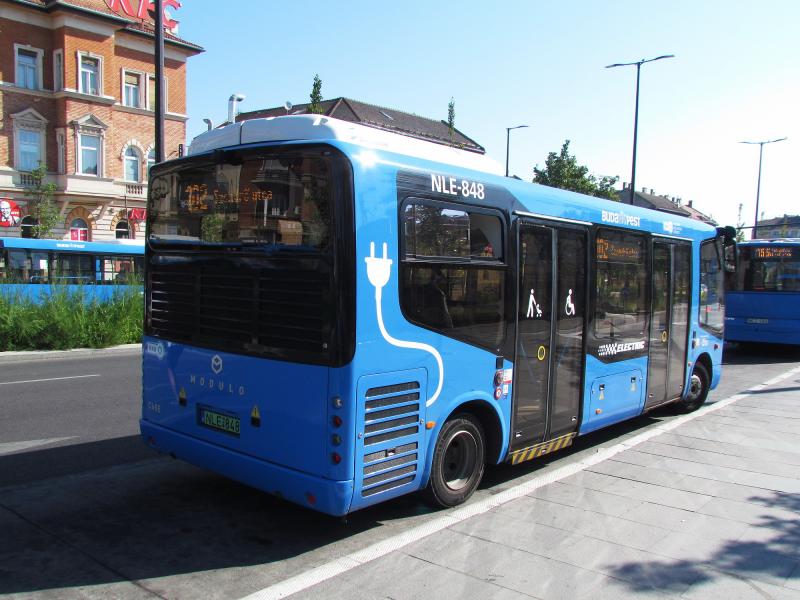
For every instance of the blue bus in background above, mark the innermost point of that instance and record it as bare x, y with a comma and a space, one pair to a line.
34, 268
764, 293
339, 315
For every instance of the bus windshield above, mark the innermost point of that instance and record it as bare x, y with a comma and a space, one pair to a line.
254, 198
768, 269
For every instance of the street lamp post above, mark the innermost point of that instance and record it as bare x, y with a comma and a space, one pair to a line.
758, 187
636, 113
508, 136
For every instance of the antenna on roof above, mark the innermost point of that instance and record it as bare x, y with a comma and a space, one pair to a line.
288, 106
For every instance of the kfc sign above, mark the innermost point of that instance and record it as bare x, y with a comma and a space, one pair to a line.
144, 10
9, 213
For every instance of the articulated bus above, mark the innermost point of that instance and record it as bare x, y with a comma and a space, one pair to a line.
33, 268
764, 293
339, 315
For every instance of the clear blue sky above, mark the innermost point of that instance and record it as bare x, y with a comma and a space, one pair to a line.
735, 76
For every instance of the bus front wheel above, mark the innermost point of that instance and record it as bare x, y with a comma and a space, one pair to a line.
699, 384
458, 461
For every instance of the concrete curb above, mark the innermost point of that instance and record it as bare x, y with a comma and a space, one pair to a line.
32, 355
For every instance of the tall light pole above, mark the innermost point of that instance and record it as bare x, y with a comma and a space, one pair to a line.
508, 135
758, 187
636, 114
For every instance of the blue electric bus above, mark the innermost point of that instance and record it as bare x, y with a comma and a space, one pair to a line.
34, 268
764, 293
339, 315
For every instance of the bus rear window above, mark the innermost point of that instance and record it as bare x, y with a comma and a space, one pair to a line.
245, 198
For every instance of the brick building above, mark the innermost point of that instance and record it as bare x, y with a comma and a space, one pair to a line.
77, 94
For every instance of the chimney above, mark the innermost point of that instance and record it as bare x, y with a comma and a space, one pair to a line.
644, 190
690, 203
233, 109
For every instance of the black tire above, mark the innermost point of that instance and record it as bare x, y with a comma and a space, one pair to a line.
697, 393
458, 461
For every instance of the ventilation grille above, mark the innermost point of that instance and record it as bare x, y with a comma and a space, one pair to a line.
391, 418
242, 307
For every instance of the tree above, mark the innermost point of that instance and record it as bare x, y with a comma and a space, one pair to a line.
451, 117
40, 203
314, 106
563, 171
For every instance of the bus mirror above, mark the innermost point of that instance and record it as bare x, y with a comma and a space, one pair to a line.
730, 251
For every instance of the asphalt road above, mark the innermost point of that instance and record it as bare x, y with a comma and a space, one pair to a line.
99, 515
69, 414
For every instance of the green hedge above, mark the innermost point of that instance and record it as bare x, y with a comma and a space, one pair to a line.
70, 317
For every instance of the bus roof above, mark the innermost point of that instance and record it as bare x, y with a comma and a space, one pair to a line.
320, 128
772, 241
533, 199
105, 247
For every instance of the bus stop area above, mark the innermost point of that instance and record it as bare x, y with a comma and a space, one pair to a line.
704, 505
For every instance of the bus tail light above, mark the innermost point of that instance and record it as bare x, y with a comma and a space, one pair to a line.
336, 458
337, 421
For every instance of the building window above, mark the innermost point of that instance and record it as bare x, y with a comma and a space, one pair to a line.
123, 230
29, 139
89, 145
58, 70
132, 89
29, 67
61, 150
79, 230
132, 171
152, 99
30, 149
90, 154
26, 226
151, 160
89, 74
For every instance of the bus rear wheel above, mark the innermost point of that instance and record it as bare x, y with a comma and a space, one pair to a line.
699, 384
458, 461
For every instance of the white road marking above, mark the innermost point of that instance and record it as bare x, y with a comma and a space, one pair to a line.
49, 379
331, 569
11, 447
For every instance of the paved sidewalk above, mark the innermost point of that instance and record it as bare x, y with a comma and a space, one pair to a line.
708, 507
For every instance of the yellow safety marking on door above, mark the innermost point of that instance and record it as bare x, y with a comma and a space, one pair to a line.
254, 414
663, 336
541, 353
541, 449
182, 394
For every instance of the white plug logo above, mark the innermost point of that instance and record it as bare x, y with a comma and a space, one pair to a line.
378, 269
378, 272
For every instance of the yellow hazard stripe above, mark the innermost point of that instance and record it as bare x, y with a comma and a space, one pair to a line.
541, 449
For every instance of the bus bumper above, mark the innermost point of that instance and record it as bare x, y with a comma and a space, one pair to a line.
324, 495
772, 331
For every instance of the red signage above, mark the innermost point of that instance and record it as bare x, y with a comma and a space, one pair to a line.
137, 214
9, 213
144, 9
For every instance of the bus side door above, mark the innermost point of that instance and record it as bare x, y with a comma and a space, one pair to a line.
551, 302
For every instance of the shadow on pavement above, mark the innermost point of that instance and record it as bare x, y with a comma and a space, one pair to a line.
772, 558
759, 354
163, 518
35, 465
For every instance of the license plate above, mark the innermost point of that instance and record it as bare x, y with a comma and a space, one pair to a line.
220, 421
758, 321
